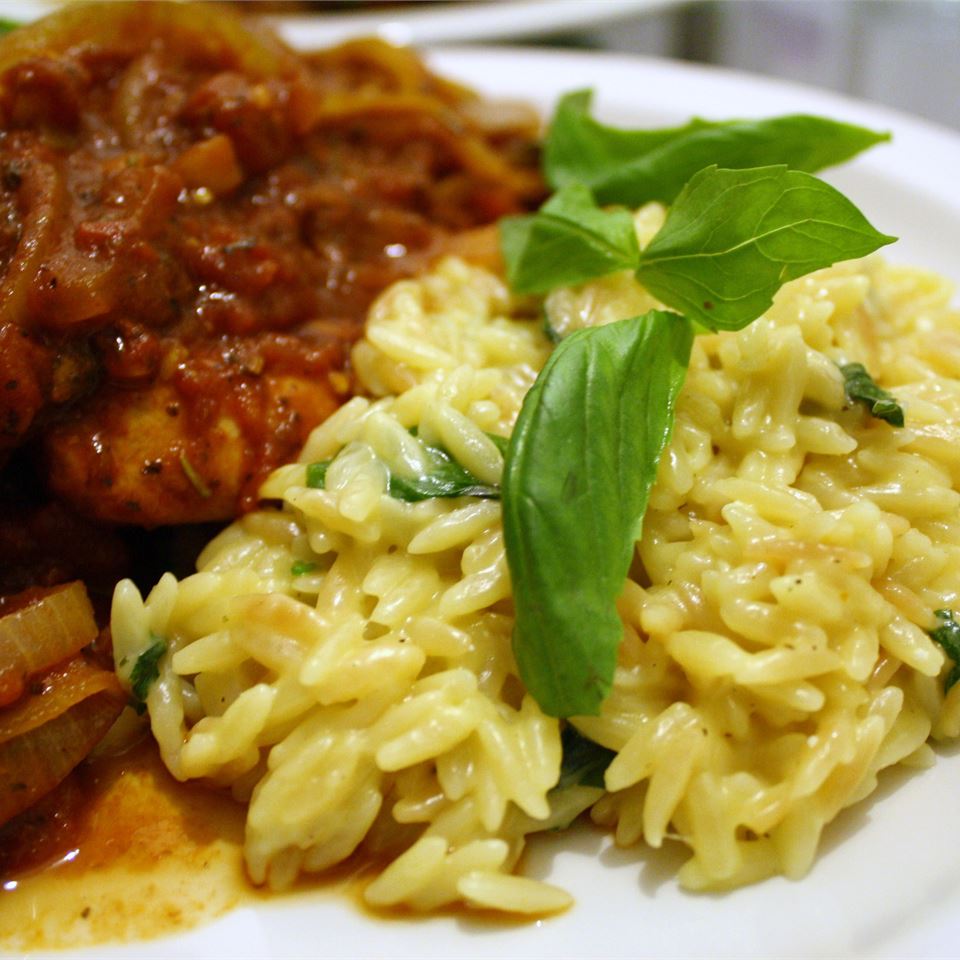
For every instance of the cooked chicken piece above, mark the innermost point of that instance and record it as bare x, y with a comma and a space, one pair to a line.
181, 198
196, 442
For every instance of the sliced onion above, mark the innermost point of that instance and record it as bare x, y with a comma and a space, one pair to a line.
43, 628
56, 731
54, 693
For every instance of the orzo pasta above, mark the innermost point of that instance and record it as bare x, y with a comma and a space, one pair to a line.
342, 658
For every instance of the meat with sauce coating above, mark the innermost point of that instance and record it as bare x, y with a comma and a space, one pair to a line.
194, 221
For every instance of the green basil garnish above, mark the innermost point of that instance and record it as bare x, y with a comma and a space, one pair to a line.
317, 474
860, 387
948, 636
584, 762
569, 240
578, 473
145, 671
590, 433
633, 167
734, 237
445, 478
730, 241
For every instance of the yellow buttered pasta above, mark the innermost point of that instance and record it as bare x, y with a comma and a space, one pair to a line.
342, 658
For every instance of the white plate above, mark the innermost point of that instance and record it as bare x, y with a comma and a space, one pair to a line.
888, 876
470, 21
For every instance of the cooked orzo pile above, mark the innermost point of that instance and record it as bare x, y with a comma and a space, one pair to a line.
342, 658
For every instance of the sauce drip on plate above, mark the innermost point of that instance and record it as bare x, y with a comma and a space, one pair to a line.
140, 855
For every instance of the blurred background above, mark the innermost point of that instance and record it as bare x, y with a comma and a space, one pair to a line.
902, 53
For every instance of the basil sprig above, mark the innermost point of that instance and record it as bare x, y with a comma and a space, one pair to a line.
581, 461
588, 440
635, 166
730, 241
860, 387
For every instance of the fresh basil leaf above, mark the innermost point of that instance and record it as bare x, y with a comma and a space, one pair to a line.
734, 237
634, 166
584, 762
6, 25
948, 636
582, 459
299, 567
569, 240
860, 387
146, 670
446, 478
580, 149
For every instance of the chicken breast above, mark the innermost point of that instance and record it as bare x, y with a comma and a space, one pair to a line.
193, 222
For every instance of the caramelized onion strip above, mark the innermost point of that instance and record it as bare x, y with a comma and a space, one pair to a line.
41, 632
45, 738
53, 693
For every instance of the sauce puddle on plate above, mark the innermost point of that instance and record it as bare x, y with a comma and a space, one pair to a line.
122, 852
141, 856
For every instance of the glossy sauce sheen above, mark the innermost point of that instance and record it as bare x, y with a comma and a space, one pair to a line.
193, 222
131, 855
145, 856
